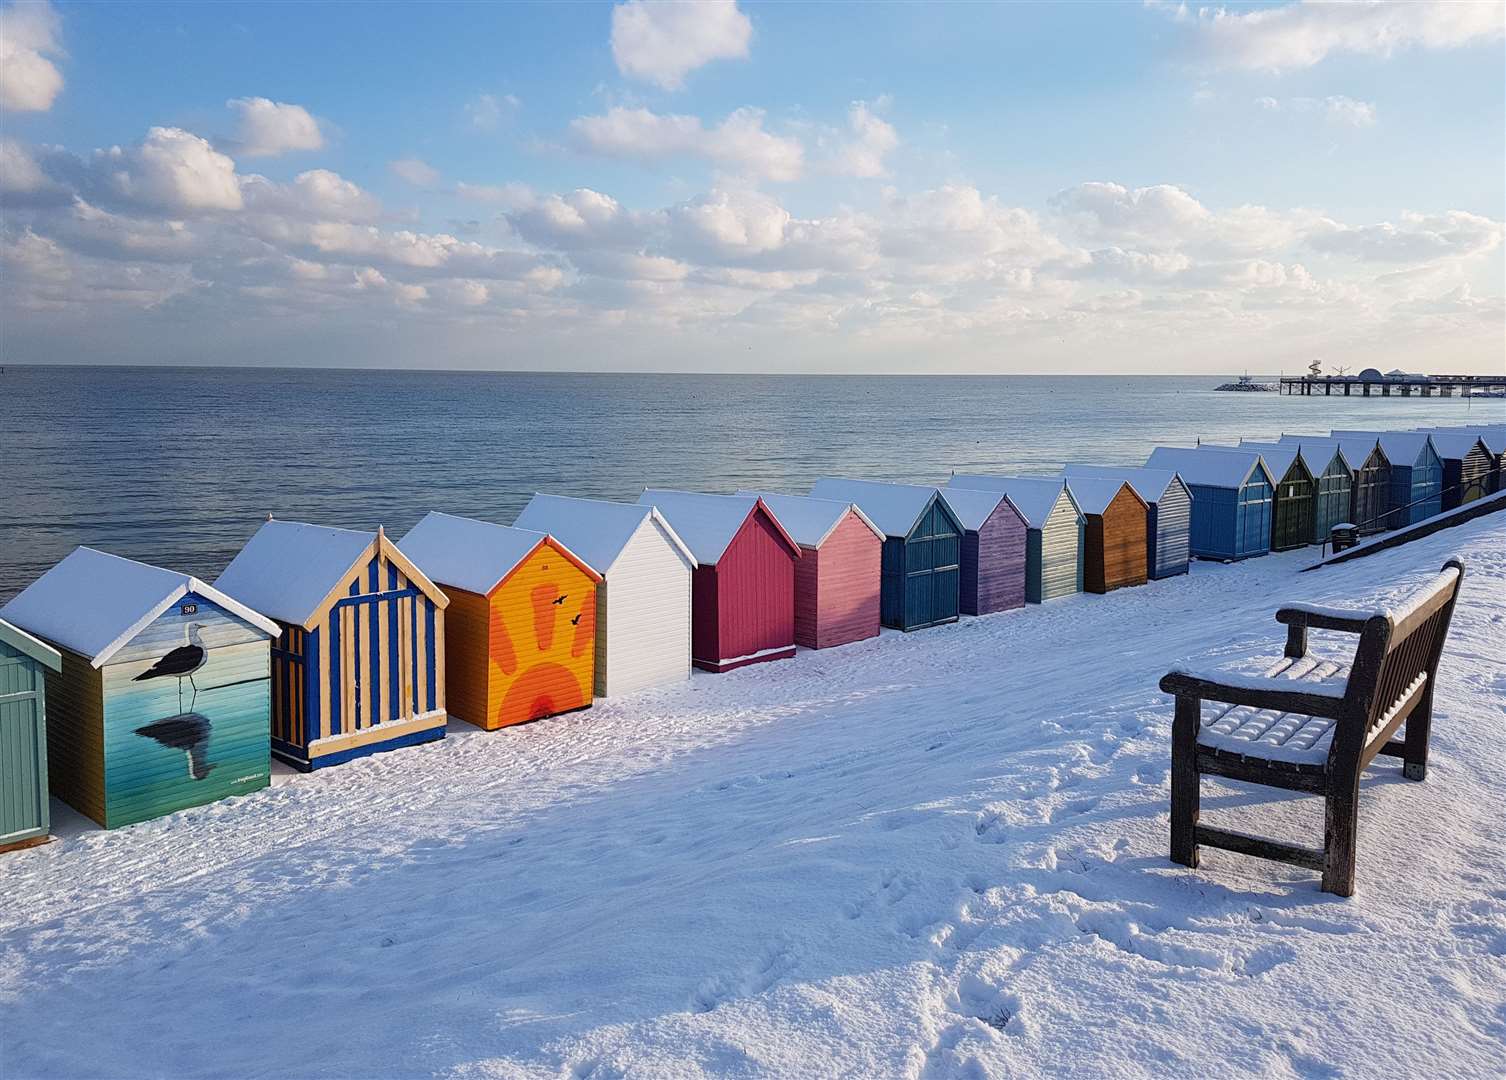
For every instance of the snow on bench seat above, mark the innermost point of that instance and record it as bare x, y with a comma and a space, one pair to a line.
1293, 738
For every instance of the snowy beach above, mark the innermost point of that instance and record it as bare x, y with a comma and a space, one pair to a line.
934, 855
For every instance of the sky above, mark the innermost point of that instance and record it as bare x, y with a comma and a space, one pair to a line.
730, 186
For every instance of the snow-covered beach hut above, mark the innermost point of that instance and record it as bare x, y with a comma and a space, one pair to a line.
358, 667
1467, 465
24, 663
1370, 476
161, 701
643, 599
743, 588
1416, 473
1294, 497
520, 629
1169, 506
1054, 540
1333, 480
1231, 499
921, 579
1493, 438
837, 577
995, 540
1116, 522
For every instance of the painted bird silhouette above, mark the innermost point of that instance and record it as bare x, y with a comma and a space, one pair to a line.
181, 662
560, 599
188, 732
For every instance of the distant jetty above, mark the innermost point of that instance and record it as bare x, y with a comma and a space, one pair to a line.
1372, 383
1247, 385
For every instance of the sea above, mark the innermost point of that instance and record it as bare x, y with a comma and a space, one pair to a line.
178, 466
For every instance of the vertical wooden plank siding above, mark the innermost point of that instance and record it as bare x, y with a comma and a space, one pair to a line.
76, 736
928, 582
808, 598
705, 626
1060, 558
1370, 494
1172, 515
993, 564
1115, 545
643, 615
846, 572
755, 594
1293, 508
1331, 501
23, 748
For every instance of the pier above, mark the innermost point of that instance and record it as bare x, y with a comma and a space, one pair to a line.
1373, 384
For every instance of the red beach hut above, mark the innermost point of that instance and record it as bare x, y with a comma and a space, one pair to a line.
742, 594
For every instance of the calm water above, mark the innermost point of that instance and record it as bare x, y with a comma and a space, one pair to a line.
178, 466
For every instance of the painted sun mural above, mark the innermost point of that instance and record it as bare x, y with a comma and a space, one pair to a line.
542, 647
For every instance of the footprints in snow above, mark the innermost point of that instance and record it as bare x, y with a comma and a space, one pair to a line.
776, 961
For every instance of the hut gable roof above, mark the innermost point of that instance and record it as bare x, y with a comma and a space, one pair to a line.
1401, 447
27, 645
473, 555
1316, 456
809, 520
895, 508
1279, 459
1356, 449
288, 569
1456, 445
709, 523
1493, 436
974, 506
93, 603
1035, 497
1226, 468
1094, 494
597, 530
1150, 484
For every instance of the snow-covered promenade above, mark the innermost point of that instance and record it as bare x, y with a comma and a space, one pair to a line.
934, 855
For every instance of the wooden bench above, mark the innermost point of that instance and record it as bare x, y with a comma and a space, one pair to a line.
1311, 724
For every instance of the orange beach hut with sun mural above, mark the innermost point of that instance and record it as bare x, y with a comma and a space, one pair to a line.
520, 632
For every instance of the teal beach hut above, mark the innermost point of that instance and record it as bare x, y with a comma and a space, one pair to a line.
1370, 476
1054, 539
1416, 473
1231, 499
162, 699
24, 662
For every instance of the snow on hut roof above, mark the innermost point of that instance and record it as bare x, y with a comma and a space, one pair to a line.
974, 506
1400, 446
287, 568
1278, 457
1494, 438
706, 523
92, 603
894, 508
1149, 484
1229, 468
809, 520
1455, 444
473, 555
1033, 496
597, 530
1316, 454
27, 645
1093, 494
1356, 451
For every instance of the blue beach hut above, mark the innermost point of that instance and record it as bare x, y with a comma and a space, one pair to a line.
1333, 480
358, 665
1055, 540
1231, 499
1169, 525
1416, 473
1491, 437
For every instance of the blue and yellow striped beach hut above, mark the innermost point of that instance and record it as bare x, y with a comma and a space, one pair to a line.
359, 664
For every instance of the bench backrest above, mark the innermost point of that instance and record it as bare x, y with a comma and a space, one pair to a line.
1397, 661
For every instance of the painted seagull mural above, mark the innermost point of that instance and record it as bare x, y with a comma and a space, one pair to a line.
188, 732
181, 662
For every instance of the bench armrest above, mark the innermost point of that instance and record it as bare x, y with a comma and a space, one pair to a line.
1324, 618
1262, 692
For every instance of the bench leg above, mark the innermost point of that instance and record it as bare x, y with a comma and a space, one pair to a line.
1340, 834
1184, 782
1419, 724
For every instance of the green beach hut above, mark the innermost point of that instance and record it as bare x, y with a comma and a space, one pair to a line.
162, 700
23, 736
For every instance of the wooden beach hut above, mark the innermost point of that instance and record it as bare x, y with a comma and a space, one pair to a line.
358, 666
1416, 473
24, 663
1493, 439
1467, 465
742, 597
1370, 476
1054, 536
1294, 498
1333, 480
1169, 506
837, 577
921, 580
643, 599
1231, 500
162, 696
995, 543
1115, 526
520, 629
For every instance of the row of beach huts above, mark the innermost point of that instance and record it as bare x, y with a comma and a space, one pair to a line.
131, 691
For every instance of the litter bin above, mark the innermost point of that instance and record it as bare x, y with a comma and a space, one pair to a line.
1343, 535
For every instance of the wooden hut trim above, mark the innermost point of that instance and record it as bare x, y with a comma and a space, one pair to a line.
838, 510
380, 547
577, 522
35, 648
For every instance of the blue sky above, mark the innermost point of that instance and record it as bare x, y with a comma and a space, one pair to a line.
1091, 187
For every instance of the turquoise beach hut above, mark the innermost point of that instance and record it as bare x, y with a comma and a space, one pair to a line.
1416, 473
24, 663
162, 699
1055, 536
1231, 499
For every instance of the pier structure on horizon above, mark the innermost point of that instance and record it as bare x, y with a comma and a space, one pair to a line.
1371, 383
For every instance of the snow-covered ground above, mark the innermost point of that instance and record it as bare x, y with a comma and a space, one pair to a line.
933, 855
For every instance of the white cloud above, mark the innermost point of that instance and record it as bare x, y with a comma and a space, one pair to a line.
1336, 109
486, 112
872, 140
269, 128
662, 41
29, 34
172, 169
510, 196
414, 171
1303, 34
19, 172
739, 143
1417, 238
